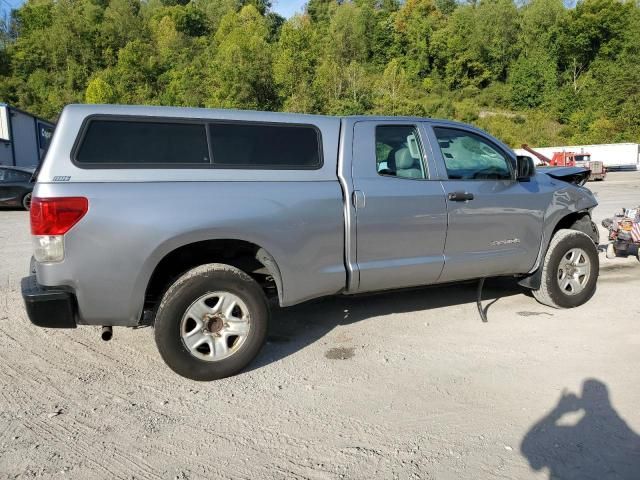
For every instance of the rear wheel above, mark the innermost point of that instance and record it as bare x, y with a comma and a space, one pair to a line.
570, 270
211, 322
26, 201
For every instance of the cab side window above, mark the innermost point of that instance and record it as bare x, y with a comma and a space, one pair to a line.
399, 152
468, 156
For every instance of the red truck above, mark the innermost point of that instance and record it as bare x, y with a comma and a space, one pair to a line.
571, 159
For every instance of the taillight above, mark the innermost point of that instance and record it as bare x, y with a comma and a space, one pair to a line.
56, 216
51, 218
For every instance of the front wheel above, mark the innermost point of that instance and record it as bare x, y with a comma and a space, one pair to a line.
211, 323
570, 270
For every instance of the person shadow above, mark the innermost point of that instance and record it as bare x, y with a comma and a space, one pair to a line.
598, 446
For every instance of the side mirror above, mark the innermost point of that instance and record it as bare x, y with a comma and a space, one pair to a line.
525, 168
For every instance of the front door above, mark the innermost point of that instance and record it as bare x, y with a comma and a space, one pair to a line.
401, 219
495, 222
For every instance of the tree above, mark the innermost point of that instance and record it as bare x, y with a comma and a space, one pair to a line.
596, 28
392, 89
294, 64
241, 74
100, 91
347, 39
120, 24
415, 23
320, 10
540, 25
532, 79
496, 33
457, 56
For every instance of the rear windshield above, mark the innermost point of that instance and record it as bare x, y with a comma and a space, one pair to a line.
137, 143
130, 142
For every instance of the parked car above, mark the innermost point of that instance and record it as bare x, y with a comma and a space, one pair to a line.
16, 186
191, 219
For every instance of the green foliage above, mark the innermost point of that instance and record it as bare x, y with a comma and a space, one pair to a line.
414, 25
530, 72
392, 89
241, 68
347, 39
532, 79
100, 91
294, 65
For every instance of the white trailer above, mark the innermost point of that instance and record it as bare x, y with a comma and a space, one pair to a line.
615, 156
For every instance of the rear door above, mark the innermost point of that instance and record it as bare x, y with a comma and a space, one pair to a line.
400, 209
494, 221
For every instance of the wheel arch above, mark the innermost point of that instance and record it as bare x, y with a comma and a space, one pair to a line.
245, 255
573, 220
580, 221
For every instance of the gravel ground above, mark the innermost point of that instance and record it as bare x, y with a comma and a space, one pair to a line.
401, 385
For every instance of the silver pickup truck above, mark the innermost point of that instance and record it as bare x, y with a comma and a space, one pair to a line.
191, 220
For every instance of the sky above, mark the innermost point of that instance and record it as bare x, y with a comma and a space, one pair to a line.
287, 8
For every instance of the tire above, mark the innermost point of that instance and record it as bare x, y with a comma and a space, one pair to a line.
197, 311
26, 201
562, 284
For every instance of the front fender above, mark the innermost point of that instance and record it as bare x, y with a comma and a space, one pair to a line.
567, 201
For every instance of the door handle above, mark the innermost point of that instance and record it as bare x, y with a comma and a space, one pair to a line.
460, 196
358, 199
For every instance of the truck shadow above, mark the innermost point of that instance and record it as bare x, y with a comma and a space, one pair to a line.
583, 437
292, 329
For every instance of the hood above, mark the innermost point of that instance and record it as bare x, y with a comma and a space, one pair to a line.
575, 175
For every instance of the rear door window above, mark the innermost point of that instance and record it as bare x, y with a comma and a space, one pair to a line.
398, 152
265, 146
130, 143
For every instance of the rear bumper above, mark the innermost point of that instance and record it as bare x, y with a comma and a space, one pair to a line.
48, 307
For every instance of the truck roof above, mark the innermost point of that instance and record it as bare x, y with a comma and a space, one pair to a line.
59, 163
214, 113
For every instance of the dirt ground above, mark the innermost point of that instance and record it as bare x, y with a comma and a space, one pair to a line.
401, 385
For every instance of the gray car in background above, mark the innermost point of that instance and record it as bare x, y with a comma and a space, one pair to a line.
192, 219
16, 186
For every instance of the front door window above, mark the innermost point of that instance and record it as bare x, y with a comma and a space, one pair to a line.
469, 157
